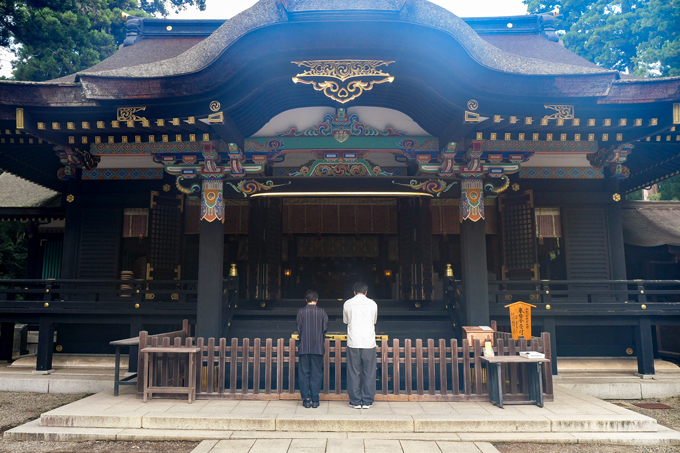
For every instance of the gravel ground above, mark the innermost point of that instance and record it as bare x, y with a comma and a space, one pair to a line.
666, 417
19, 408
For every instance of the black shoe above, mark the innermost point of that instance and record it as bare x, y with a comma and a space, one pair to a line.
307, 403
366, 405
315, 404
355, 406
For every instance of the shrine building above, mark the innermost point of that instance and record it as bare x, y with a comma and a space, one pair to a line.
215, 170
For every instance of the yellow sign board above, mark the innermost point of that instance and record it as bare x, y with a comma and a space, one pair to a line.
520, 320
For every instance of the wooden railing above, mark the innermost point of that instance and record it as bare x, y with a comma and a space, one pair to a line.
442, 370
585, 291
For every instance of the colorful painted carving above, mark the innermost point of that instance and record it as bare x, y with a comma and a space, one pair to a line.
433, 186
250, 187
560, 173
614, 157
74, 158
472, 200
212, 201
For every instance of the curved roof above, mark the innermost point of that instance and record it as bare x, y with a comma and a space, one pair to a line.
420, 12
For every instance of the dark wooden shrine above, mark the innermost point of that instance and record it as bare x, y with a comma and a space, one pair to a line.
216, 170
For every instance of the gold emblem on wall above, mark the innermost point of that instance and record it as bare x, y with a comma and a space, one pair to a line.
344, 71
129, 114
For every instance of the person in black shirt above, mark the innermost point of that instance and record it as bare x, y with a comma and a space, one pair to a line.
312, 323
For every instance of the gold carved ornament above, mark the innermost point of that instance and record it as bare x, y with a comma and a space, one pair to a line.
343, 71
562, 112
129, 114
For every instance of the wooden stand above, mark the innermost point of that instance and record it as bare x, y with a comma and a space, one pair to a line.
534, 377
190, 389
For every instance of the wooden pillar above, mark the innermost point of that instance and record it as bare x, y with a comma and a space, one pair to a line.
45, 344
549, 326
133, 355
210, 279
72, 227
6, 341
644, 347
475, 278
615, 230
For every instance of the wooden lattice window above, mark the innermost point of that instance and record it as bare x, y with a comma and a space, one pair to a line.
519, 237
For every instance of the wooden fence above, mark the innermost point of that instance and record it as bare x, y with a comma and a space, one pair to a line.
407, 371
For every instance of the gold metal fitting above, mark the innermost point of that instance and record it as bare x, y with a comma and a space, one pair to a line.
547, 292
548, 307
418, 304
629, 351
616, 197
46, 305
47, 290
644, 307
59, 348
233, 272
136, 305
449, 271
262, 304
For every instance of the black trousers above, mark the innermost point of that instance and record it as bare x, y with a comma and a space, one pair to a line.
361, 365
310, 376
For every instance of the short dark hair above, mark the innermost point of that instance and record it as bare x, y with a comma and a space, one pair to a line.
360, 288
311, 296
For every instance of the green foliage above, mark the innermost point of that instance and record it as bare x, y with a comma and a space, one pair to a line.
641, 37
670, 189
55, 38
13, 250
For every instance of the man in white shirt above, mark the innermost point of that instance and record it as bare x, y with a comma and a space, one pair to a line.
360, 314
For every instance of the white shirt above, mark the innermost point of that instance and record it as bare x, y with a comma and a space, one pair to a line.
360, 314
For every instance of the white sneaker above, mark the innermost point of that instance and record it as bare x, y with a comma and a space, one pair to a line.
366, 406
355, 406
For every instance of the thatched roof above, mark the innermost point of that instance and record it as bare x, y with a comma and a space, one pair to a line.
20, 193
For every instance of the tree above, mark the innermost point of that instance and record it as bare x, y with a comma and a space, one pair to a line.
55, 38
640, 37
13, 250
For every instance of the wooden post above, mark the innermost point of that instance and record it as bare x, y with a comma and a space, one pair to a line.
133, 353
475, 278
6, 341
210, 279
45, 344
549, 327
644, 347
72, 227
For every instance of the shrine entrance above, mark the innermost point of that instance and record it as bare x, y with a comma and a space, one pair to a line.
331, 243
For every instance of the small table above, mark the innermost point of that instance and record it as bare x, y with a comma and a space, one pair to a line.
117, 382
534, 375
190, 389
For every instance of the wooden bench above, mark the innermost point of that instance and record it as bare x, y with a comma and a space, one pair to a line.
534, 379
149, 374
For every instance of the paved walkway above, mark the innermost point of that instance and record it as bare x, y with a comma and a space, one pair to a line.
340, 446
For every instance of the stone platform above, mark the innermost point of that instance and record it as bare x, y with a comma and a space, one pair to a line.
572, 418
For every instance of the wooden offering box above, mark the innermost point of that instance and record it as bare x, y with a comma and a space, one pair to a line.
481, 333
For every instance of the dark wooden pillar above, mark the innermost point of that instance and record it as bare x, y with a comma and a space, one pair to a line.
644, 347
45, 344
615, 229
475, 278
264, 249
72, 227
6, 341
210, 279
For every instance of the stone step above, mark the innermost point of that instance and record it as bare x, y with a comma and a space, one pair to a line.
375, 422
34, 431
